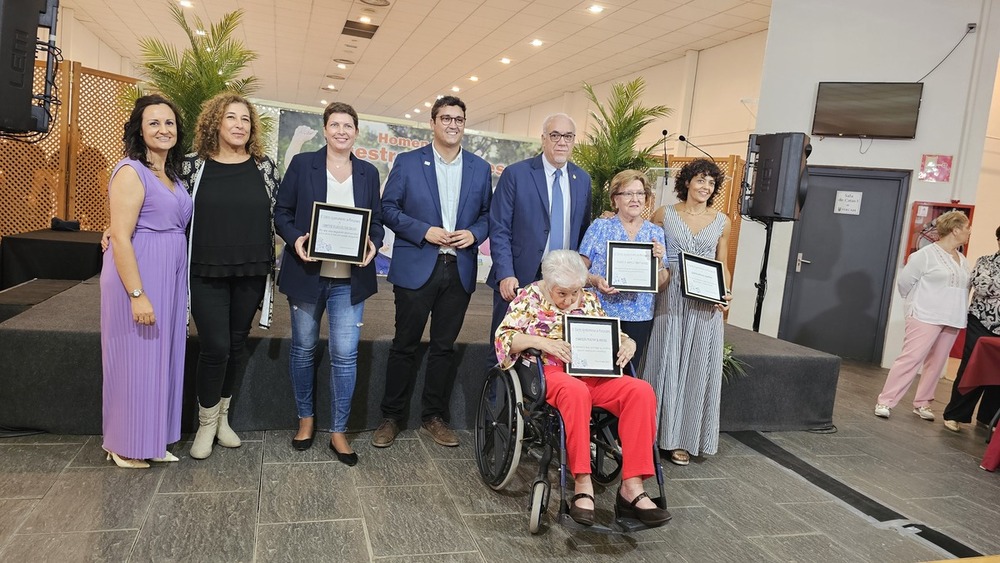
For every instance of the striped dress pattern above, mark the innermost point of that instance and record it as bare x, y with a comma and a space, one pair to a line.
144, 365
683, 360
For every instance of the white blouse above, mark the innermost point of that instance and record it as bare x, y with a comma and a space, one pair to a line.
936, 288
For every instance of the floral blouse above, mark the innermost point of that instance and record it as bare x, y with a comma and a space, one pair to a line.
629, 305
985, 304
532, 313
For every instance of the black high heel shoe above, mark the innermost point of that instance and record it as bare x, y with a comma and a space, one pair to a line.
349, 460
649, 516
305, 444
584, 516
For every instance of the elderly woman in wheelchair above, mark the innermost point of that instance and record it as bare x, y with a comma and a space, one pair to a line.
533, 321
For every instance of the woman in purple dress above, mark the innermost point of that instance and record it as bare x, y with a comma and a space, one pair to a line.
143, 290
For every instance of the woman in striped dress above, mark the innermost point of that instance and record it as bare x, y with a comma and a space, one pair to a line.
143, 290
683, 361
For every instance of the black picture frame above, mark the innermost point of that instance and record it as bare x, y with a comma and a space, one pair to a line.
649, 282
578, 327
702, 278
337, 223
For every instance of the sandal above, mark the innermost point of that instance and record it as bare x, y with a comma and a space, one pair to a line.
680, 457
584, 516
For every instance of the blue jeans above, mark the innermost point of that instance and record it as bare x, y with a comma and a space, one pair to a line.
345, 331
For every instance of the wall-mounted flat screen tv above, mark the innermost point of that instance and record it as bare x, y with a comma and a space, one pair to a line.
884, 110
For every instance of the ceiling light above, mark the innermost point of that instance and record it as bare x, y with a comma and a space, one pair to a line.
186, 4
536, 42
342, 66
200, 32
474, 78
427, 104
379, 3
322, 102
335, 76
439, 96
343, 61
406, 115
595, 9
505, 61
455, 88
365, 19
416, 110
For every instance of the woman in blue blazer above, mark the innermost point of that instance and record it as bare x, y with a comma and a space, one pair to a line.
333, 175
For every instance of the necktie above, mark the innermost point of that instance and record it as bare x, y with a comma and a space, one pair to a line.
556, 214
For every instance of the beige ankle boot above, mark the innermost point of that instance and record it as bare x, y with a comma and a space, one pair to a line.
227, 438
208, 423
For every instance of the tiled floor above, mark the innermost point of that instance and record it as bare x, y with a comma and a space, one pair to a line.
61, 501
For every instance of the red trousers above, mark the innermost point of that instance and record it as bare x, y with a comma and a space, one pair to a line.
630, 399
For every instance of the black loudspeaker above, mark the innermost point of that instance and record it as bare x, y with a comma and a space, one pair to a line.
18, 33
780, 179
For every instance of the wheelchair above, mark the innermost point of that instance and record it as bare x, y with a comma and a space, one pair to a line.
514, 420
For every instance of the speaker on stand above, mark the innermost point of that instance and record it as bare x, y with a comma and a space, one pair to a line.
775, 190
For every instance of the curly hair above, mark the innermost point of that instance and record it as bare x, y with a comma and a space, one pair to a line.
625, 178
695, 168
135, 147
206, 131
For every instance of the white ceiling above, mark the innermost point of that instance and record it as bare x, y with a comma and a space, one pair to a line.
425, 47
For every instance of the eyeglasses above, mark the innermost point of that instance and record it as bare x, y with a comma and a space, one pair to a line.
554, 136
448, 119
632, 195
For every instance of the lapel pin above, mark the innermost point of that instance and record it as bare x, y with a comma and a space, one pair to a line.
574, 176
427, 163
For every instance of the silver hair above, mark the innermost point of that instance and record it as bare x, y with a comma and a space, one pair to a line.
545, 124
564, 268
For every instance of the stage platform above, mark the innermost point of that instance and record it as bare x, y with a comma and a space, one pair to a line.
50, 372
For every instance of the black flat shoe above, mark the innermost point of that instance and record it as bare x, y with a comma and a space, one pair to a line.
303, 445
649, 516
584, 516
350, 459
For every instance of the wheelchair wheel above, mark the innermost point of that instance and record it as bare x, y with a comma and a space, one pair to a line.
605, 457
539, 500
499, 429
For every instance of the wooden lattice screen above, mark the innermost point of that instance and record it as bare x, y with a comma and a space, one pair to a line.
95, 144
728, 199
32, 174
65, 174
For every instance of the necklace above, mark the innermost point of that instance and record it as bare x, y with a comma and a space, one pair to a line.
702, 212
341, 165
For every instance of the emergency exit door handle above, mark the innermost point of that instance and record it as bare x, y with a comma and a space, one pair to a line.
799, 261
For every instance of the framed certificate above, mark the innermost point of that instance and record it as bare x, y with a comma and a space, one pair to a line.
594, 342
702, 278
631, 266
338, 233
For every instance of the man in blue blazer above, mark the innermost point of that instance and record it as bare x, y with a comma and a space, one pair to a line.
521, 213
437, 202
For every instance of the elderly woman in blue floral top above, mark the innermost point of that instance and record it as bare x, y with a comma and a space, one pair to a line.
629, 193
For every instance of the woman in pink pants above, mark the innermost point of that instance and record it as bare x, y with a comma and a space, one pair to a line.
935, 285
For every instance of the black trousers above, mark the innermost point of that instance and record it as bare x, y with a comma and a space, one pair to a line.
960, 406
222, 309
445, 300
638, 331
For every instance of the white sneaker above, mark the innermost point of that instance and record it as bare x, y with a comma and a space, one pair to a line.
924, 412
952, 425
882, 411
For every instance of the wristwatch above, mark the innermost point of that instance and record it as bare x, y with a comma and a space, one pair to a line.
135, 293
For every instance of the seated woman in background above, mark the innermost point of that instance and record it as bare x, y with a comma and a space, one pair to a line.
629, 193
143, 290
534, 320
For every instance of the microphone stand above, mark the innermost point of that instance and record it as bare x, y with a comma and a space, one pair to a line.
683, 139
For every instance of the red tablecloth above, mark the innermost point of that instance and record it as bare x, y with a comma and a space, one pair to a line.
984, 365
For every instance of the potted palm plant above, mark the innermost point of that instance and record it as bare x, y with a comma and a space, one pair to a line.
212, 63
610, 145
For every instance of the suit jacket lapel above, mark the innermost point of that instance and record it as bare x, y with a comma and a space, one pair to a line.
578, 192
430, 174
360, 197
466, 190
541, 184
318, 175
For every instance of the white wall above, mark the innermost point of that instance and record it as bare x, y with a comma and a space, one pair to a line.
987, 215
80, 45
816, 40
